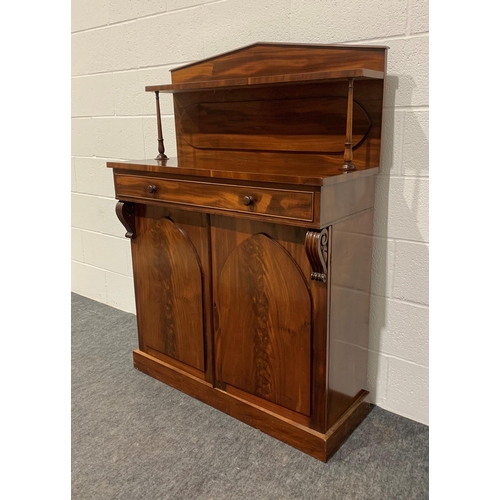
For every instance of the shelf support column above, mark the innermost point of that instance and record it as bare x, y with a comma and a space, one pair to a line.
348, 165
161, 147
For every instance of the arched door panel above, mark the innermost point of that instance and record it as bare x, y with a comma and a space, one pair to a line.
264, 334
169, 279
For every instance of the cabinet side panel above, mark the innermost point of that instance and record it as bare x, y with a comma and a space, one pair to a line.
169, 290
351, 254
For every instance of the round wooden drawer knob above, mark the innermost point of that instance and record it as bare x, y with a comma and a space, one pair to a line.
248, 200
152, 188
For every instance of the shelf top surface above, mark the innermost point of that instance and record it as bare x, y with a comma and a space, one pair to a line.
315, 176
287, 79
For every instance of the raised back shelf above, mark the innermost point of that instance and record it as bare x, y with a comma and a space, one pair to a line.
309, 107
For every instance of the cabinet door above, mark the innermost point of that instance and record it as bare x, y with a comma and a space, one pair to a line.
263, 313
169, 284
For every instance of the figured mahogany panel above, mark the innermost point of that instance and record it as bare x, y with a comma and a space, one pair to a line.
169, 292
281, 203
316, 125
264, 324
264, 59
287, 144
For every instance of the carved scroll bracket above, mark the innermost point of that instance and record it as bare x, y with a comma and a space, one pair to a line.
317, 252
125, 212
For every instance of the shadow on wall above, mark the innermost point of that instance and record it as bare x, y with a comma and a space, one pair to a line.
403, 200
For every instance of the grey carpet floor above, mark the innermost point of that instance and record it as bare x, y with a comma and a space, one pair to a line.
136, 438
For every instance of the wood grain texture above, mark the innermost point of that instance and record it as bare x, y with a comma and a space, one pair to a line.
230, 233
209, 149
268, 405
300, 125
275, 176
347, 423
280, 203
265, 348
277, 59
294, 78
169, 291
344, 199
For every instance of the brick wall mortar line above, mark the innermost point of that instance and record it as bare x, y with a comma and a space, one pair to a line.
101, 268
147, 16
390, 356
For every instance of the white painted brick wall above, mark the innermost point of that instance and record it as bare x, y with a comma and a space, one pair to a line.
129, 96
119, 47
328, 21
92, 177
411, 270
416, 144
170, 38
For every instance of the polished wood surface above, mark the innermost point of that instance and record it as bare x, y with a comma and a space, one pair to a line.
161, 146
343, 199
246, 199
316, 246
300, 125
294, 78
125, 213
272, 59
234, 174
272, 324
252, 250
168, 276
348, 165
350, 277
279, 145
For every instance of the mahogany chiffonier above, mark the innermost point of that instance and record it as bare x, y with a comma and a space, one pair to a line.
252, 250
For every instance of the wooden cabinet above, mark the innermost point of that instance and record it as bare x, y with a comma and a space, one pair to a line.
252, 250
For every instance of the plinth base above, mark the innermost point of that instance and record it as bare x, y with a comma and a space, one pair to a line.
318, 445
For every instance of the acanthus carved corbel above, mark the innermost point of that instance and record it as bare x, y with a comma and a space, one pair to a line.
316, 245
125, 212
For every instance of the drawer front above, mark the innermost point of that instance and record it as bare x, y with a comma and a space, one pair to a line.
283, 203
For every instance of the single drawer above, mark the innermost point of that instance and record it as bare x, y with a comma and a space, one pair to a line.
272, 202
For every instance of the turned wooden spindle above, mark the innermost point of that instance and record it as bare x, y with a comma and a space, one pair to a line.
348, 165
161, 147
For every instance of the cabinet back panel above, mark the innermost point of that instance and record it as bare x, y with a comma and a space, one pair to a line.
301, 126
311, 124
